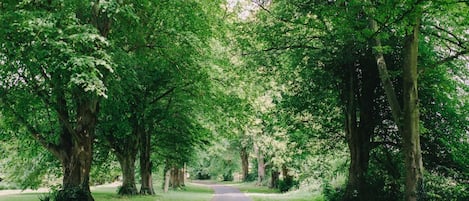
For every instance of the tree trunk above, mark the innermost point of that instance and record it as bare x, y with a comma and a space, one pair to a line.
145, 165
166, 180
355, 177
76, 153
76, 169
409, 126
126, 153
245, 163
385, 77
260, 166
176, 177
274, 178
414, 190
360, 98
181, 177
127, 163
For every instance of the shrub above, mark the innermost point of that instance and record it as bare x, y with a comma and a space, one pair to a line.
332, 193
438, 188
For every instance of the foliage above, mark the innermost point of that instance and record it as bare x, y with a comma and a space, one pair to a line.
439, 187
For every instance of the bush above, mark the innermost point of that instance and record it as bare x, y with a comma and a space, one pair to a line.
45, 198
332, 193
251, 177
228, 177
286, 184
442, 188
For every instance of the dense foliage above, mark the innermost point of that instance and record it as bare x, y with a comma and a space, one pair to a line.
362, 100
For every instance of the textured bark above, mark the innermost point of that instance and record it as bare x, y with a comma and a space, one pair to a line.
145, 165
126, 151
75, 152
414, 190
408, 121
127, 163
245, 163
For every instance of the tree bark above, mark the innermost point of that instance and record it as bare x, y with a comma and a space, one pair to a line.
360, 98
127, 163
145, 165
385, 77
409, 126
414, 190
76, 152
260, 166
245, 163
126, 153
355, 178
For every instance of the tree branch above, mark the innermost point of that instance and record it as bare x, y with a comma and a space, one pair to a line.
453, 57
282, 48
54, 149
163, 95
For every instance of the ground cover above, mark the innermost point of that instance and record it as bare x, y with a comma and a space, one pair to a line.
263, 193
108, 193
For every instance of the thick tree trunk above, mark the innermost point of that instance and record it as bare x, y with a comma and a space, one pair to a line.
245, 163
76, 153
360, 98
408, 121
126, 153
145, 165
127, 163
76, 169
414, 190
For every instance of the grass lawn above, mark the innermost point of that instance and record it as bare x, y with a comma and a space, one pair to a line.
190, 193
263, 193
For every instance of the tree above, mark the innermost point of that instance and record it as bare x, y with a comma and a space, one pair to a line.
54, 66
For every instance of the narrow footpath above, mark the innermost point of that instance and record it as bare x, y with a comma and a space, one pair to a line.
228, 193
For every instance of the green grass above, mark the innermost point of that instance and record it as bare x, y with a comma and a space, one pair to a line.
263, 193
190, 193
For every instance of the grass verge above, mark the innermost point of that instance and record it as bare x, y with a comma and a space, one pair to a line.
189, 193
263, 193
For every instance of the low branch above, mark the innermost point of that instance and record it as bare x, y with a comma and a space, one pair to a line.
54, 149
281, 49
453, 57
169, 91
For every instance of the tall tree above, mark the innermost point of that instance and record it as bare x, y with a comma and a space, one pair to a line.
54, 66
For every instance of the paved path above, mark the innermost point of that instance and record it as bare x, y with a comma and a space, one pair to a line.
228, 193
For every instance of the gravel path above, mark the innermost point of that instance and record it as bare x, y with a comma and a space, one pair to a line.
228, 193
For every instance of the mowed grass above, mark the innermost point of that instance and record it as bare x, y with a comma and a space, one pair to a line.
190, 193
263, 193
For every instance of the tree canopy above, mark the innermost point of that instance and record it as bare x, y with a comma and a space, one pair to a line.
361, 100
